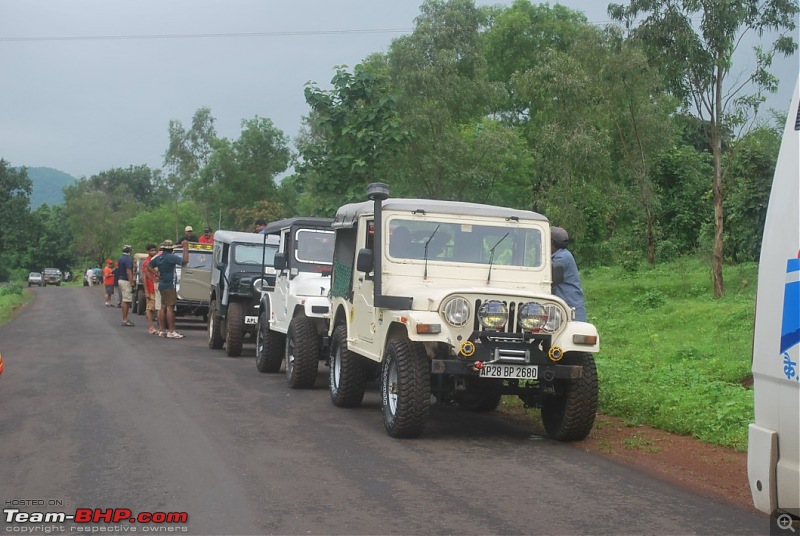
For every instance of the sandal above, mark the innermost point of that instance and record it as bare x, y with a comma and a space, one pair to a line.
152, 331
128, 323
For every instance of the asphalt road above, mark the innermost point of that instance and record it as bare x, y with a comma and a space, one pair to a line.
96, 415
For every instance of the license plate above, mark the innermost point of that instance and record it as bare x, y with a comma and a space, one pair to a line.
521, 372
251, 320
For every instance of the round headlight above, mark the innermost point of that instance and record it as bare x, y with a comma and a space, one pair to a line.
554, 318
493, 314
532, 317
260, 285
456, 312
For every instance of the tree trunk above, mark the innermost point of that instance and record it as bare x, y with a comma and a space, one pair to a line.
716, 263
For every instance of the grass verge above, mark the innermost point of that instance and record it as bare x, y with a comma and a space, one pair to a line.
11, 297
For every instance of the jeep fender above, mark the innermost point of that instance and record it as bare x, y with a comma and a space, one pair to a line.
569, 339
412, 319
314, 307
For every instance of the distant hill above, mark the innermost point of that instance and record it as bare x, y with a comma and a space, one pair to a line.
47, 185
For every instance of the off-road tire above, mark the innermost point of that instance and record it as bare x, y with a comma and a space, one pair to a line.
215, 340
269, 346
405, 388
302, 353
569, 414
234, 332
141, 302
348, 372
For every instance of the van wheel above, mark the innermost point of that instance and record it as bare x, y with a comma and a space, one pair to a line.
405, 388
215, 340
302, 353
234, 334
269, 346
348, 372
569, 414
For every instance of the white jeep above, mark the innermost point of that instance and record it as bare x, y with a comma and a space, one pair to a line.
454, 300
294, 315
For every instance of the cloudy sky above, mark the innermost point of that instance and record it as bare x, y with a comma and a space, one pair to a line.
88, 85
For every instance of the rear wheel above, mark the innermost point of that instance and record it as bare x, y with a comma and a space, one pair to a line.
302, 353
141, 302
269, 346
234, 329
348, 373
569, 414
405, 388
215, 340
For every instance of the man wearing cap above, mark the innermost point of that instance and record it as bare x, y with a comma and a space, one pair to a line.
207, 237
190, 236
108, 281
570, 289
125, 276
166, 264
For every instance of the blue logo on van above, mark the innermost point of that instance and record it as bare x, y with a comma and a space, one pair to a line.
790, 326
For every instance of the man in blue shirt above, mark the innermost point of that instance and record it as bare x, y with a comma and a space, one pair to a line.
166, 263
570, 289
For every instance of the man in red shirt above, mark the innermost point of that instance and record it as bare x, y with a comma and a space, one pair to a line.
108, 281
151, 293
207, 237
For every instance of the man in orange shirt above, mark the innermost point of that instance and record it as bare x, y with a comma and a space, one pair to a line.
207, 237
108, 281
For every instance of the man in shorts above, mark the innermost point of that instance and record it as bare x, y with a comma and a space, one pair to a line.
153, 298
125, 276
166, 264
108, 282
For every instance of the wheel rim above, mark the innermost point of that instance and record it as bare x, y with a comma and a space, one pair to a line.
290, 355
259, 340
391, 387
336, 367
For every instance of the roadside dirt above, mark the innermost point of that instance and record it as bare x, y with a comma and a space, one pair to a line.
708, 470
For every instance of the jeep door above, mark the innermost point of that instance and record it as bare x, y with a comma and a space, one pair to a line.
195, 278
280, 298
362, 315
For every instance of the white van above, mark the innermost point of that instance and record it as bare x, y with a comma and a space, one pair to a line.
773, 458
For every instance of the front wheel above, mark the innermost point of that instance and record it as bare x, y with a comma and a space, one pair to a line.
234, 332
405, 388
269, 346
302, 353
348, 372
569, 414
215, 340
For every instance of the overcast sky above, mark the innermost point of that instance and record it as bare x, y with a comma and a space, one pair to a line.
82, 90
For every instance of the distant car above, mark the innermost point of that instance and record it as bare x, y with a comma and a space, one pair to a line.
52, 276
35, 278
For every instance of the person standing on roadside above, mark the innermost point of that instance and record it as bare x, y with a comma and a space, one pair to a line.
166, 264
152, 296
89, 276
570, 289
108, 281
125, 270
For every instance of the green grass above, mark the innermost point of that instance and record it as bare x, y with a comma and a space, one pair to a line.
672, 356
11, 296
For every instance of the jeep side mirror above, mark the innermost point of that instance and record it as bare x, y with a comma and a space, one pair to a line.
365, 261
558, 273
280, 261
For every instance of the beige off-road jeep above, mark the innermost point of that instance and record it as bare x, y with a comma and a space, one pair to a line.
454, 300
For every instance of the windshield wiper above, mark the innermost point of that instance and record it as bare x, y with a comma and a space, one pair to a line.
427, 242
491, 257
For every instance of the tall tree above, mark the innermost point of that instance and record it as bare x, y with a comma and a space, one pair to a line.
697, 58
15, 194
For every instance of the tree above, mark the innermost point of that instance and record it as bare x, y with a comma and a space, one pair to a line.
353, 132
697, 58
15, 194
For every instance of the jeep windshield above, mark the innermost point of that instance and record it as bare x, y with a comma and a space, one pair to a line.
254, 254
459, 242
314, 246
